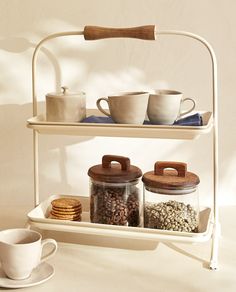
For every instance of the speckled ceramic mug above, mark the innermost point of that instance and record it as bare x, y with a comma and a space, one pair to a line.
126, 108
164, 106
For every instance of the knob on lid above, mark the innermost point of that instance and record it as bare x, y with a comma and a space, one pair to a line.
164, 178
65, 92
120, 172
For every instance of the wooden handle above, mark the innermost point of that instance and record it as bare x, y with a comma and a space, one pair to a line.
146, 32
124, 161
181, 167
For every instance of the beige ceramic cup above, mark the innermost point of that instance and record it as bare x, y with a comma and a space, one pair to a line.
20, 252
164, 106
126, 108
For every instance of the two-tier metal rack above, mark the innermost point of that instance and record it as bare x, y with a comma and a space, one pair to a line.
209, 217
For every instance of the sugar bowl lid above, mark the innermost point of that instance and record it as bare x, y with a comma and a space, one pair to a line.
65, 92
178, 178
120, 172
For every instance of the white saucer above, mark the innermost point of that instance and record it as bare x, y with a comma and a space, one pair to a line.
39, 275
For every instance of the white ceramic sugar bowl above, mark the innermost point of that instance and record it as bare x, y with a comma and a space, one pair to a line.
65, 106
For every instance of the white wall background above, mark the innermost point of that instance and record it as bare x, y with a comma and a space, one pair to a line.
102, 67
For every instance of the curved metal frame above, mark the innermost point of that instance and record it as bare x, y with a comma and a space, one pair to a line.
216, 231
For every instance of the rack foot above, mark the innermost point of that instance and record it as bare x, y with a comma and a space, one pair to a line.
214, 265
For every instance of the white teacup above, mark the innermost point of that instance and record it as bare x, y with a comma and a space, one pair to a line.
20, 252
126, 108
164, 106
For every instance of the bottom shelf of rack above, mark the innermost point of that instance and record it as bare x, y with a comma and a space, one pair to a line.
38, 217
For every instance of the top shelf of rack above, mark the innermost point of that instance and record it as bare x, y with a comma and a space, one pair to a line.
42, 126
148, 32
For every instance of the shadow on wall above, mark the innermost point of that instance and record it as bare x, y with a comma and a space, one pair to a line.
94, 70
19, 45
15, 44
16, 156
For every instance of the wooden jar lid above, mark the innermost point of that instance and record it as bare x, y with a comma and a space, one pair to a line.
120, 172
176, 179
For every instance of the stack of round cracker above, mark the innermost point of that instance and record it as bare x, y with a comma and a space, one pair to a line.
66, 209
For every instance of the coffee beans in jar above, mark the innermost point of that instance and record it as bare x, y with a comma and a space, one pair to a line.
171, 198
117, 205
171, 215
114, 194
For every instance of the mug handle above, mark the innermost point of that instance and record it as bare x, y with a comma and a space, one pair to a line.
191, 109
100, 107
52, 252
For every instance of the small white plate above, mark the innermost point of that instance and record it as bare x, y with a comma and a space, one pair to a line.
39, 275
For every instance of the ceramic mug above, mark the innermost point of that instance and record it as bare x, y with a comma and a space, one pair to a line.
164, 106
126, 108
20, 252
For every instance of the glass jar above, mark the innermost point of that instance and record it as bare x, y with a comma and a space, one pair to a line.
114, 194
171, 199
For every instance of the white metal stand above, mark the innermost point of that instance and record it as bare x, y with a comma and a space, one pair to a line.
216, 225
